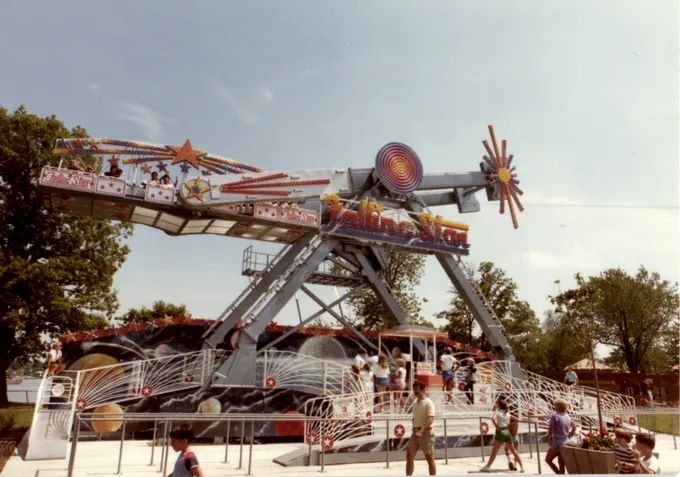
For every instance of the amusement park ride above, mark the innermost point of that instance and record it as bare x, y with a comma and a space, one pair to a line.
334, 225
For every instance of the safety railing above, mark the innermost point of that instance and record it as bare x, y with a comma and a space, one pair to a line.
285, 369
322, 447
143, 378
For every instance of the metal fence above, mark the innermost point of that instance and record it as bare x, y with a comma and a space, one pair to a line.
162, 424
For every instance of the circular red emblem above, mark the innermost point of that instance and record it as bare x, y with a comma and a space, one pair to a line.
328, 443
188, 378
617, 421
461, 386
313, 438
146, 390
80, 404
632, 420
270, 382
369, 415
399, 430
484, 428
508, 386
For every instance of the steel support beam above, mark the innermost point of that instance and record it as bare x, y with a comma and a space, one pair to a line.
216, 336
337, 316
313, 316
291, 285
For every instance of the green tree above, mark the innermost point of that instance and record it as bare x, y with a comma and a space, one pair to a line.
521, 325
158, 310
561, 346
403, 274
636, 315
56, 270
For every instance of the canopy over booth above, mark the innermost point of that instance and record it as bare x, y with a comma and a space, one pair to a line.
424, 333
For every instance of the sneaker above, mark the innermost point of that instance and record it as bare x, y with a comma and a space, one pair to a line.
521, 469
486, 468
512, 466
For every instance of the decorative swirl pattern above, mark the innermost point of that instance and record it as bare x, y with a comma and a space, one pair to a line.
399, 168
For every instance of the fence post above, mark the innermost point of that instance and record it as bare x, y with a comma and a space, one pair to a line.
481, 439
446, 445
74, 445
240, 449
167, 450
324, 377
226, 442
120, 449
323, 439
531, 445
165, 436
538, 452
387, 443
250, 454
153, 440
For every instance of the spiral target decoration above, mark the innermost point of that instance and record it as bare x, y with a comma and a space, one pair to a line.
399, 168
501, 174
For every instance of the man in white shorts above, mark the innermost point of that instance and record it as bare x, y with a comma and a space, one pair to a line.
449, 365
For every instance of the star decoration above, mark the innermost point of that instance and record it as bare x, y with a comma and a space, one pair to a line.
162, 167
80, 404
184, 168
186, 153
146, 390
399, 430
270, 382
196, 189
146, 168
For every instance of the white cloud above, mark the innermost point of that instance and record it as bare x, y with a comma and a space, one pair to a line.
245, 109
148, 120
93, 87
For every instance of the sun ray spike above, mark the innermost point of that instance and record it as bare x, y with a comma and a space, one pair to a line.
504, 149
514, 196
515, 223
493, 140
510, 158
491, 153
504, 197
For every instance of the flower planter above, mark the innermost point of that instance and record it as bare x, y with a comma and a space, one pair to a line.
588, 461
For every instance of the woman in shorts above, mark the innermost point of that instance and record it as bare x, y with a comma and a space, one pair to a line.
501, 421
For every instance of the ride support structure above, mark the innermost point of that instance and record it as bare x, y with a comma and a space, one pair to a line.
340, 220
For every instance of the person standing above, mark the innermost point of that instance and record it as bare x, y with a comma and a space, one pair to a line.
648, 386
470, 380
560, 429
501, 421
449, 365
423, 436
55, 360
571, 378
361, 358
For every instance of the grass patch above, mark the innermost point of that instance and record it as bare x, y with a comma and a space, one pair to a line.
14, 418
663, 423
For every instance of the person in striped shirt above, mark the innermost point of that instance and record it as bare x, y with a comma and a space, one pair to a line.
626, 457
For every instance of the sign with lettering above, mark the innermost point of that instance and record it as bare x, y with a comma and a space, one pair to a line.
419, 232
286, 214
344, 408
67, 179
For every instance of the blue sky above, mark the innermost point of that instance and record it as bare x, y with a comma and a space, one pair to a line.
585, 91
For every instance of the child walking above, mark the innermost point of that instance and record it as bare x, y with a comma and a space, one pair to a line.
187, 463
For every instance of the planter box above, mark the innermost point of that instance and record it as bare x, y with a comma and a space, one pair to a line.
588, 461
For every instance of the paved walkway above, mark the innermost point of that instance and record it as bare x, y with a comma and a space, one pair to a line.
100, 459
